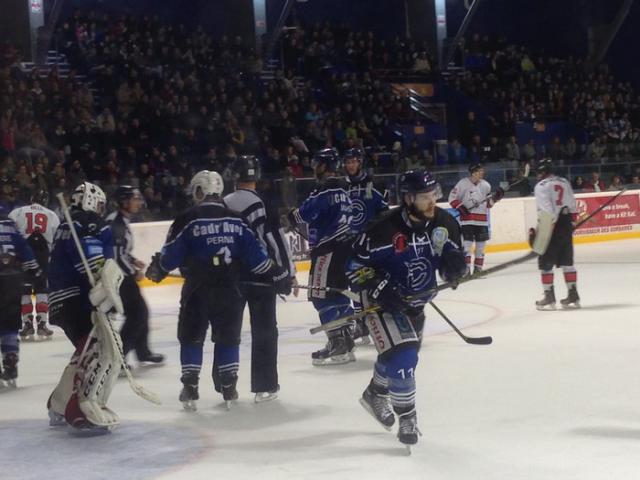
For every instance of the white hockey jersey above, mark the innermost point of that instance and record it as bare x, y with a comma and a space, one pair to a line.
474, 198
36, 217
553, 194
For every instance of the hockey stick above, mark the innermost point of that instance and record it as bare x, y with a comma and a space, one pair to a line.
598, 210
339, 322
102, 317
470, 340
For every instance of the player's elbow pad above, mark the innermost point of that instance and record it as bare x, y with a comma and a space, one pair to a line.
452, 265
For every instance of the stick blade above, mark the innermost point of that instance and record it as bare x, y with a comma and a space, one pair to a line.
479, 340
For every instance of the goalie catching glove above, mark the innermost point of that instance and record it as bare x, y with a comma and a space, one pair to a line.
105, 296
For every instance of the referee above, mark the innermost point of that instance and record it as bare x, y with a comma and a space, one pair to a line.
135, 331
261, 299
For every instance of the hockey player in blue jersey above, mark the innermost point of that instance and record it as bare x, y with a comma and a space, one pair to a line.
328, 213
209, 244
368, 200
86, 383
396, 256
18, 267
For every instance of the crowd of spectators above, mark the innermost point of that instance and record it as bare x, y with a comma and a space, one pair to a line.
512, 84
148, 103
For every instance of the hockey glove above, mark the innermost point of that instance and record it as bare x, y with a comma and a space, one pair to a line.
532, 236
282, 281
155, 272
497, 195
452, 265
388, 295
463, 210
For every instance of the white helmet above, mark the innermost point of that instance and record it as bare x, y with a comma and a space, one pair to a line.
209, 183
90, 198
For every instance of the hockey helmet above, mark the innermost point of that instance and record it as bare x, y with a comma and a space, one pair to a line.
208, 182
475, 166
126, 192
419, 181
40, 197
89, 197
246, 168
545, 167
327, 157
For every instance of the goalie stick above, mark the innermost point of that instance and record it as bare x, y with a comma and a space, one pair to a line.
102, 317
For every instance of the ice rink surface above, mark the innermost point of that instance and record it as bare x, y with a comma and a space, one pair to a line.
556, 396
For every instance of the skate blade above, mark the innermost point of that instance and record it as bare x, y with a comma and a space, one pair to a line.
407, 450
189, 406
44, 338
571, 306
335, 360
369, 410
28, 338
546, 308
265, 397
56, 419
92, 430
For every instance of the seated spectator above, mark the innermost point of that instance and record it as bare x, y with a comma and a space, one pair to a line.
595, 184
529, 153
578, 183
512, 150
616, 183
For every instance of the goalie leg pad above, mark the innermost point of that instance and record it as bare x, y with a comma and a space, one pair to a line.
106, 294
95, 378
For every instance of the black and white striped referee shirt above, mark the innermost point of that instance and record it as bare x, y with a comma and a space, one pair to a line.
266, 225
122, 242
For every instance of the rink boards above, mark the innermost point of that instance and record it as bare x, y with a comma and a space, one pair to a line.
510, 221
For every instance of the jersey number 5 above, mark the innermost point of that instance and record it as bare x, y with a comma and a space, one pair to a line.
560, 191
36, 222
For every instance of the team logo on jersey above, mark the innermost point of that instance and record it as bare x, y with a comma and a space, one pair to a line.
399, 241
359, 212
418, 273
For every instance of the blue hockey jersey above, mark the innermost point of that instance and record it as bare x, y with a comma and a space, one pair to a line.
207, 240
406, 256
367, 201
15, 254
67, 276
327, 211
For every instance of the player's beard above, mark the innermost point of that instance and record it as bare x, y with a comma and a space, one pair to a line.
421, 216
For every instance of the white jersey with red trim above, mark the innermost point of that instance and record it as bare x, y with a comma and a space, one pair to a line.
36, 217
553, 194
474, 198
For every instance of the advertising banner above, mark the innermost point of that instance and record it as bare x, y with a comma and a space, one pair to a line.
623, 215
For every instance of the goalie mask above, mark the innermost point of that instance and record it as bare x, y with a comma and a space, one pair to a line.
204, 184
89, 198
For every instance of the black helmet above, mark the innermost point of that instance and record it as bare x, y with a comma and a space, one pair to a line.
328, 157
475, 166
125, 192
246, 168
417, 181
41, 197
545, 166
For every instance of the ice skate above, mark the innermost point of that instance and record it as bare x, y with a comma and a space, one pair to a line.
10, 370
548, 302
152, 359
338, 351
264, 397
27, 333
572, 300
408, 431
377, 404
361, 332
188, 397
43, 332
230, 394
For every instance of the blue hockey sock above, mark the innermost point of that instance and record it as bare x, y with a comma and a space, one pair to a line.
9, 342
400, 367
191, 359
380, 375
226, 358
332, 308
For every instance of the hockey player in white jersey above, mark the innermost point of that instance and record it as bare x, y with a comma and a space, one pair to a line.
472, 197
38, 225
553, 238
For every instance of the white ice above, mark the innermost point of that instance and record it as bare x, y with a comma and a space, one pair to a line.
556, 396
